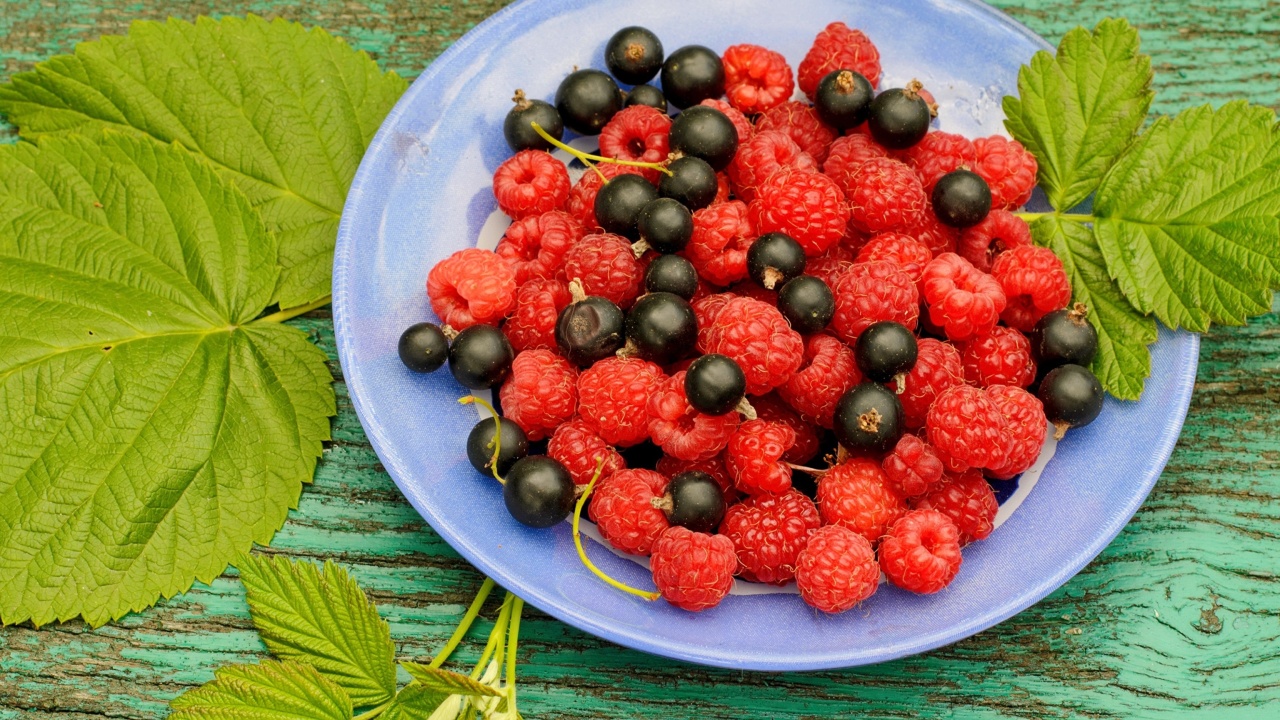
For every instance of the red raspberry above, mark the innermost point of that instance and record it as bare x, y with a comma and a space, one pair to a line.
1024, 415
937, 237
578, 448
1001, 357
759, 339
856, 494
622, 509
885, 196
1034, 283
848, 153
706, 309
868, 293
829, 265
530, 182
966, 425
802, 123
756, 78
1001, 230
771, 408
582, 197
907, 253
683, 432
938, 154
838, 47
964, 301
913, 468
673, 466
804, 204
754, 454
639, 133
607, 267
533, 323
921, 552
541, 393
938, 367
748, 288
761, 156
828, 372
1008, 168
693, 570
722, 234
722, 188
740, 122
968, 501
613, 397
836, 570
471, 287
535, 246
768, 533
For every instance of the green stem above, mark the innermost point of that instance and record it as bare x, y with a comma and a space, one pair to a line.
498, 631
496, 443
291, 313
461, 631
586, 157
516, 608
374, 712
582, 552
1069, 217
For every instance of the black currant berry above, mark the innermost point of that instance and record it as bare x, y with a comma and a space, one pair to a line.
961, 199
899, 117
538, 491
714, 384
646, 95
633, 55
774, 258
1064, 337
480, 357
704, 132
692, 74
868, 418
514, 445
1072, 397
586, 100
665, 224
672, 274
692, 182
807, 303
590, 329
619, 202
423, 347
662, 327
843, 99
693, 500
885, 349
518, 127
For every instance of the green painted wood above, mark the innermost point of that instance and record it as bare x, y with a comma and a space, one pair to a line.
1179, 617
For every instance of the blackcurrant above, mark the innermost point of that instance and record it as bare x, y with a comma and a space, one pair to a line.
665, 224
672, 274
633, 55
868, 418
961, 199
899, 117
514, 445
646, 95
692, 182
692, 74
714, 384
662, 327
843, 99
704, 132
694, 500
1064, 337
480, 357
586, 100
885, 349
518, 127
589, 330
538, 491
807, 303
774, 258
423, 347
1072, 397
619, 202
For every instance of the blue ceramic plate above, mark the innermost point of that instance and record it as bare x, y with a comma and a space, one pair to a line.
423, 192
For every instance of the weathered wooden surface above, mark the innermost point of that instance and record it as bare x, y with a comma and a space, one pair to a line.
1180, 616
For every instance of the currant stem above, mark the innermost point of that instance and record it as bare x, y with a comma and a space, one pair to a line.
461, 631
497, 433
498, 631
582, 553
516, 609
805, 469
587, 157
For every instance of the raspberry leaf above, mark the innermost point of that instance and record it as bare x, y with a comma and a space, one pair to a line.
269, 690
416, 702
283, 111
447, 681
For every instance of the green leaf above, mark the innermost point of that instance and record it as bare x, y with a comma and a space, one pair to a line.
1078, 110
414, 702
1187, 218
269, 690
448, 682
283, 111
150, 431
325, 619
1123, 361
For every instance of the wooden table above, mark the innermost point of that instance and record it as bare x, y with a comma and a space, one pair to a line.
1179, 616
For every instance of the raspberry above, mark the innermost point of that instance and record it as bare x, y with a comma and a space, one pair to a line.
683, 432
638, 133
706, 309
921, 552
1008, 168
836, 570
756, 78
530, 182
856, 494
968, 501
909, 254
839, 47
771, 408
582, 197
607, 267
613, 397
761, 156
938, 367
753, 455
744, 127
749, 288
867, 293
1001, 230
1024, 415
471, 287
622, 509
828, 372
576, 446
938, 154
692, 570
541, 392
722, 234
801, 122
885, 196
722, 188
1034, 283
1002, 357
759, 339
673, 466
768, 533
966, 425
937, 237
828, 265
533, 322
913, 468
964, 301
804, 204
847, 154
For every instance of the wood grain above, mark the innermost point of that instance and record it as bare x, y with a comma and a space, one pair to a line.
1180, 616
